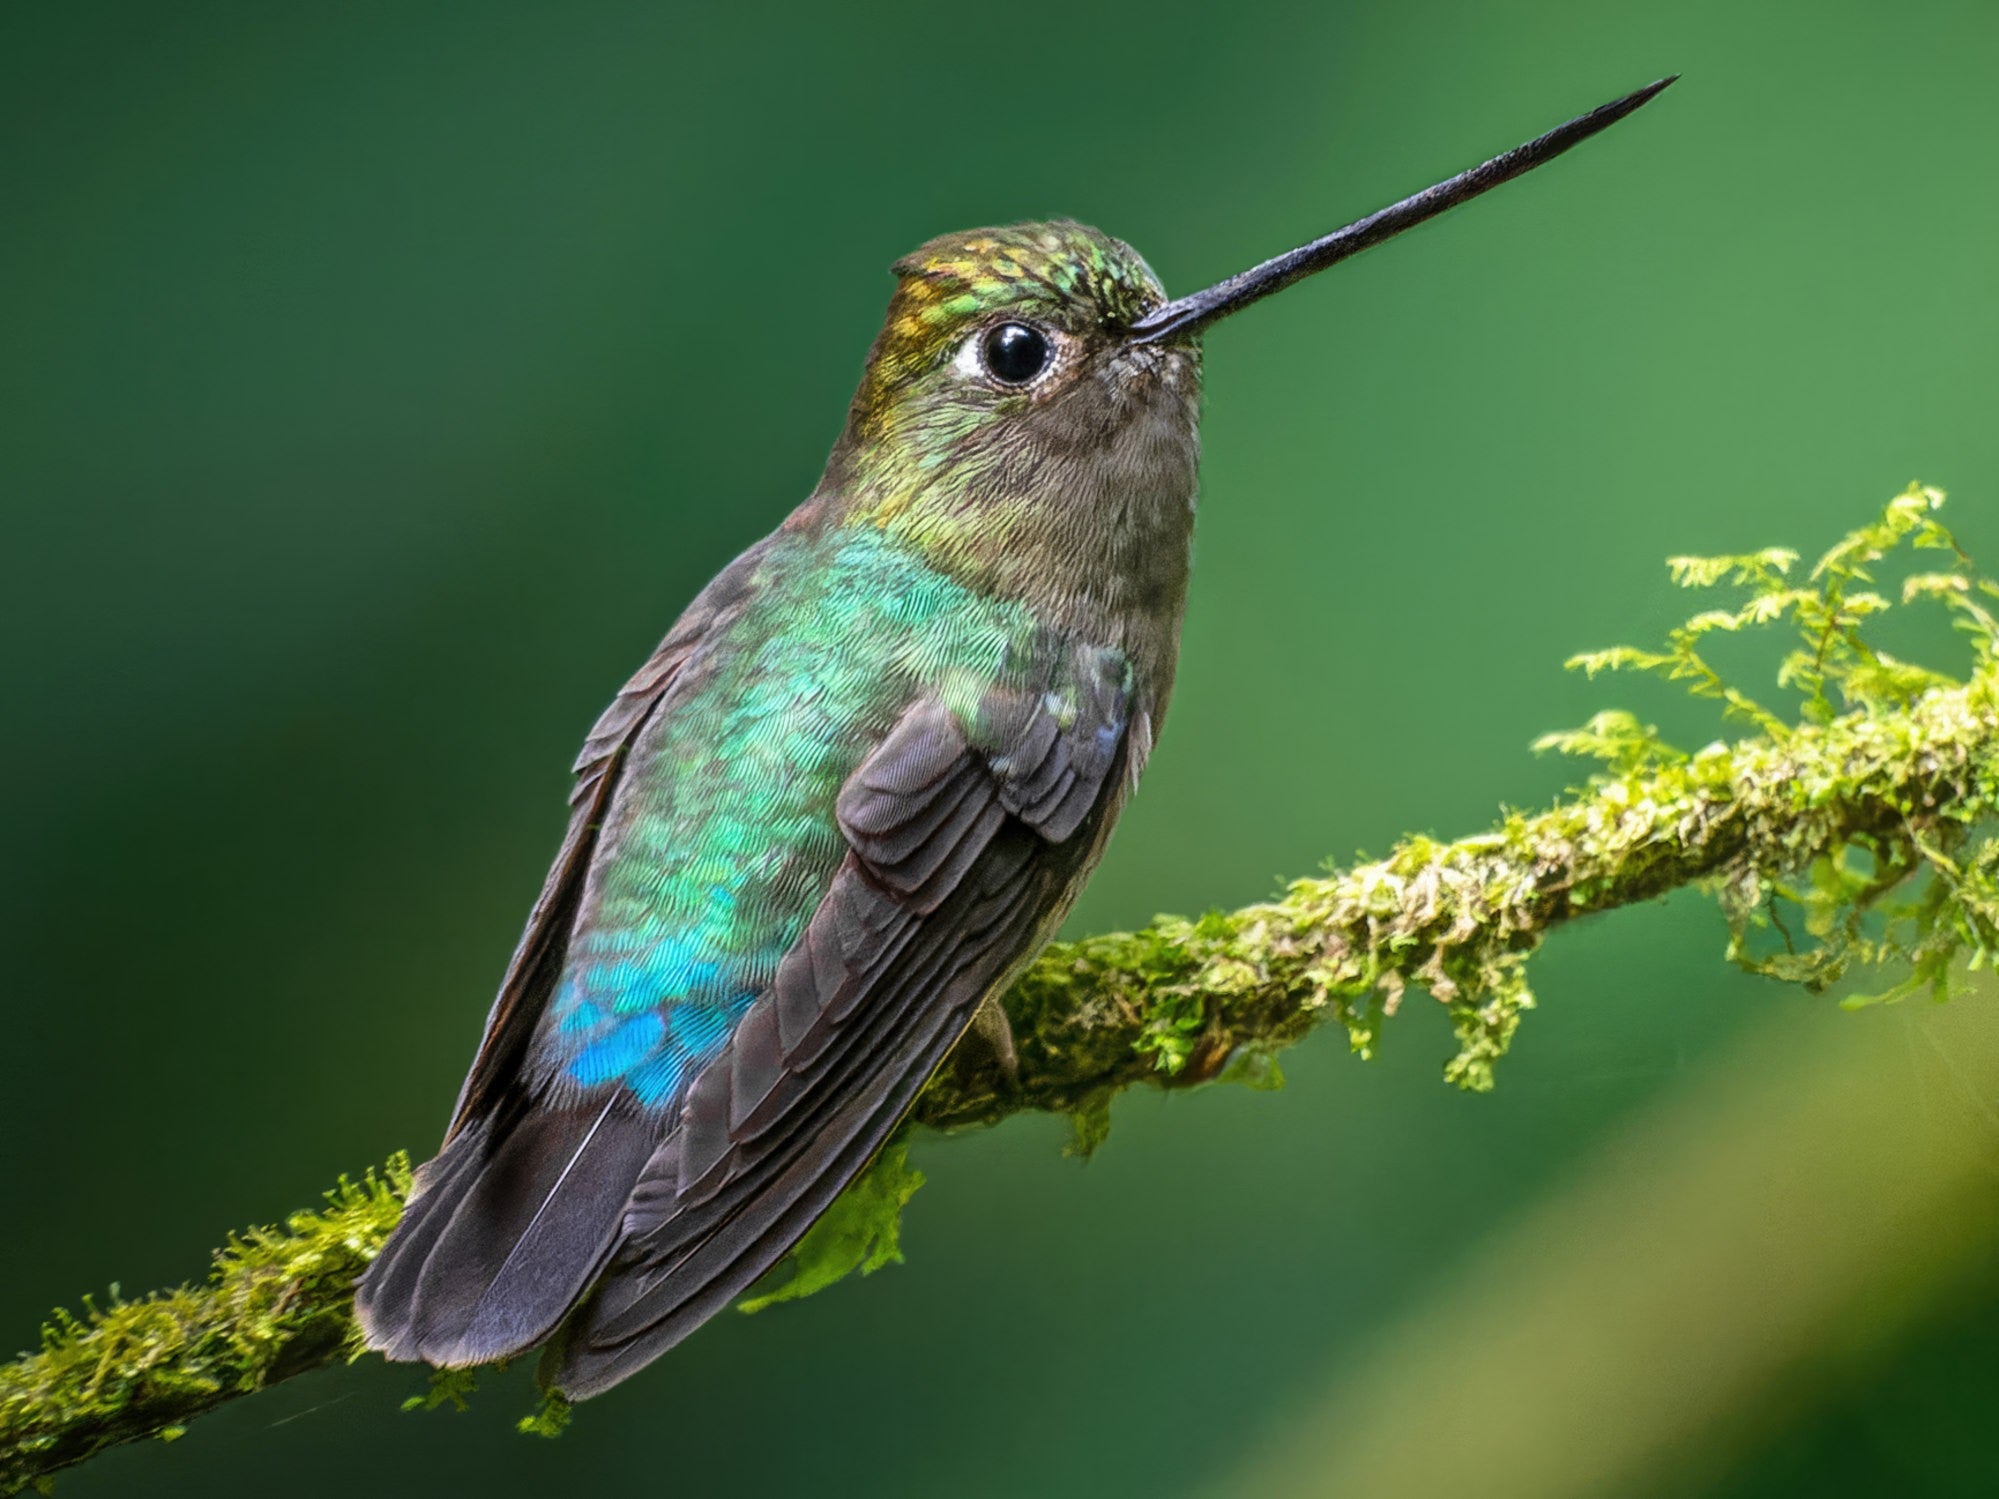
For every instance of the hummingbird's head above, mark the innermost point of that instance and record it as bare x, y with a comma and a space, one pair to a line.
1005, 346
1009, 414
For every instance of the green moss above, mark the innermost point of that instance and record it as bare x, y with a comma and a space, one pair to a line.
452, 1387
548, 1420
276, 1302
861, 1232
1089, 1124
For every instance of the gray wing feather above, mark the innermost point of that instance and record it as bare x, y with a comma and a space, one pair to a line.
966, 845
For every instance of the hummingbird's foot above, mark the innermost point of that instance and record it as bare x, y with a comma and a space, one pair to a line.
995, 1032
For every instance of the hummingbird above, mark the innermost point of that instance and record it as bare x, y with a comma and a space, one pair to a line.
849, 797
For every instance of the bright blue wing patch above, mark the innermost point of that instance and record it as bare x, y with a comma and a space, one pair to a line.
650, 1014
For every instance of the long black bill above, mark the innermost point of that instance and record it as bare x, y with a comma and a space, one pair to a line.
1190, 314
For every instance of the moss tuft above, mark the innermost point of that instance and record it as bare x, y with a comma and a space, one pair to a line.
860, 1233
277, 1301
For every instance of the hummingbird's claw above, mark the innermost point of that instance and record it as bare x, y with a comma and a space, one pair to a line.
995, 1032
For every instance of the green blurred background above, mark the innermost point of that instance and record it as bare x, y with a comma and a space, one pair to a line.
377, 381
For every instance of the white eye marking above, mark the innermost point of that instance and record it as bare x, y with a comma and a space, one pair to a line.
968, 362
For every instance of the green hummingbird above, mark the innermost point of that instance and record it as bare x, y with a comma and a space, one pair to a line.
849, 797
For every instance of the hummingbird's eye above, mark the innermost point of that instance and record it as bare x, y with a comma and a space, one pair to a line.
1015, 353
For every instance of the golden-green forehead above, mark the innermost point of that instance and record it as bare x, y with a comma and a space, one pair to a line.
1058, 265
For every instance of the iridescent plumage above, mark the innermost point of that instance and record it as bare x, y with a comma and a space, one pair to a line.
858, 785
719, 843
853, 791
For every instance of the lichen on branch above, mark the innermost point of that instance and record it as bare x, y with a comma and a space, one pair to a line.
1849, 831
277, 1302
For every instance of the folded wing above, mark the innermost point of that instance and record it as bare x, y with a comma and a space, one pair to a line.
967, 832
967, 839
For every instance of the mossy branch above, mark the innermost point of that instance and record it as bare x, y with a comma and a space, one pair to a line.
1861, 813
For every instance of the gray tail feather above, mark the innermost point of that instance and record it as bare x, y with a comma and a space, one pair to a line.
642, 1308
579, 1362
505, 1232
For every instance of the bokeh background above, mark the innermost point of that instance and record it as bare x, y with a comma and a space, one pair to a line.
377, 381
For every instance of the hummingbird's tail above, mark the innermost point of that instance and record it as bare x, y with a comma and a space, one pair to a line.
678, 1266
504, 1231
